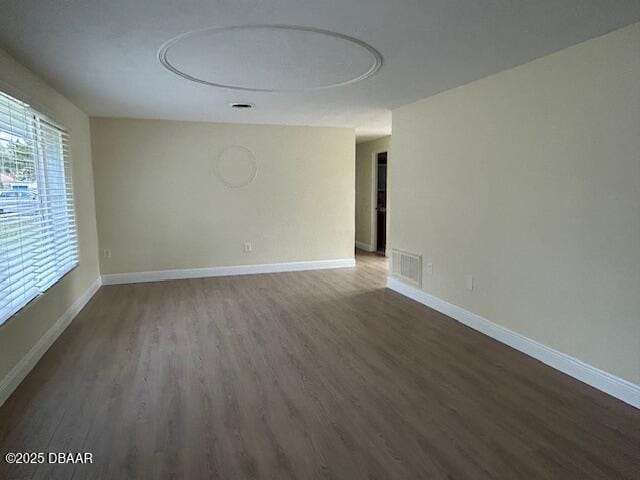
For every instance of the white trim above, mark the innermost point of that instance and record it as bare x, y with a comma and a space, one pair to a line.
617, 387
364, 246
161, 275
18, 373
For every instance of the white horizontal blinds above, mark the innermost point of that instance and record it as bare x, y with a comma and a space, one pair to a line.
59, 252
38, 241
19, 234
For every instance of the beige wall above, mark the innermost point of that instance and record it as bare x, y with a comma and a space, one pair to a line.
530, 181
160, 206
22, 331
364, 185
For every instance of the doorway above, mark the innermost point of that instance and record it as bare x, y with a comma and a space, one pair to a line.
381, 202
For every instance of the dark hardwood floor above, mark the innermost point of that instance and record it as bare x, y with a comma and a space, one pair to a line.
320, 374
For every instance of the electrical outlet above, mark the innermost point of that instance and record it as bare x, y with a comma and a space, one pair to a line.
430, 268
106, 253
248, 247
469, 282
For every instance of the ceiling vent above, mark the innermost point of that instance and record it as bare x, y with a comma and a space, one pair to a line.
242, 106
406, 266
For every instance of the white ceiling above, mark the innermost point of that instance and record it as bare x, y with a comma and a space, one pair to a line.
103, 55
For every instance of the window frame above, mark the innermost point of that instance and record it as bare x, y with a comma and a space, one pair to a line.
42, 163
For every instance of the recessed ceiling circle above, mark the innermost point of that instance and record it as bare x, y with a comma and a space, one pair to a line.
236, 166
270, 58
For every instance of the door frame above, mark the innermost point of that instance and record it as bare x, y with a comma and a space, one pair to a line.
374, 199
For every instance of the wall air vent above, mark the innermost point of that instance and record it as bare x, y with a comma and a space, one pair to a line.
406, 267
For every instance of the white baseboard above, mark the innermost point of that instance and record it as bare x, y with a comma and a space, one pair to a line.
161, 275
18, 373
364, 246
617, 387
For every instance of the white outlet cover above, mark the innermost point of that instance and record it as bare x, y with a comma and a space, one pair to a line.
469, 282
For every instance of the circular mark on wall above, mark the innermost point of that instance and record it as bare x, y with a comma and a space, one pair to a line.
236, 166
270, 58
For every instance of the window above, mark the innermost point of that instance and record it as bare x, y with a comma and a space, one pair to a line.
38, 242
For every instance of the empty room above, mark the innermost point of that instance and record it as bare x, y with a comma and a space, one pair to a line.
347, 239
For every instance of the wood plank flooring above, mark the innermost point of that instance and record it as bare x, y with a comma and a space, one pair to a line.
306, 375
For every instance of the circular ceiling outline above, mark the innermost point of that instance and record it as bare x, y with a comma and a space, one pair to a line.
375, 65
